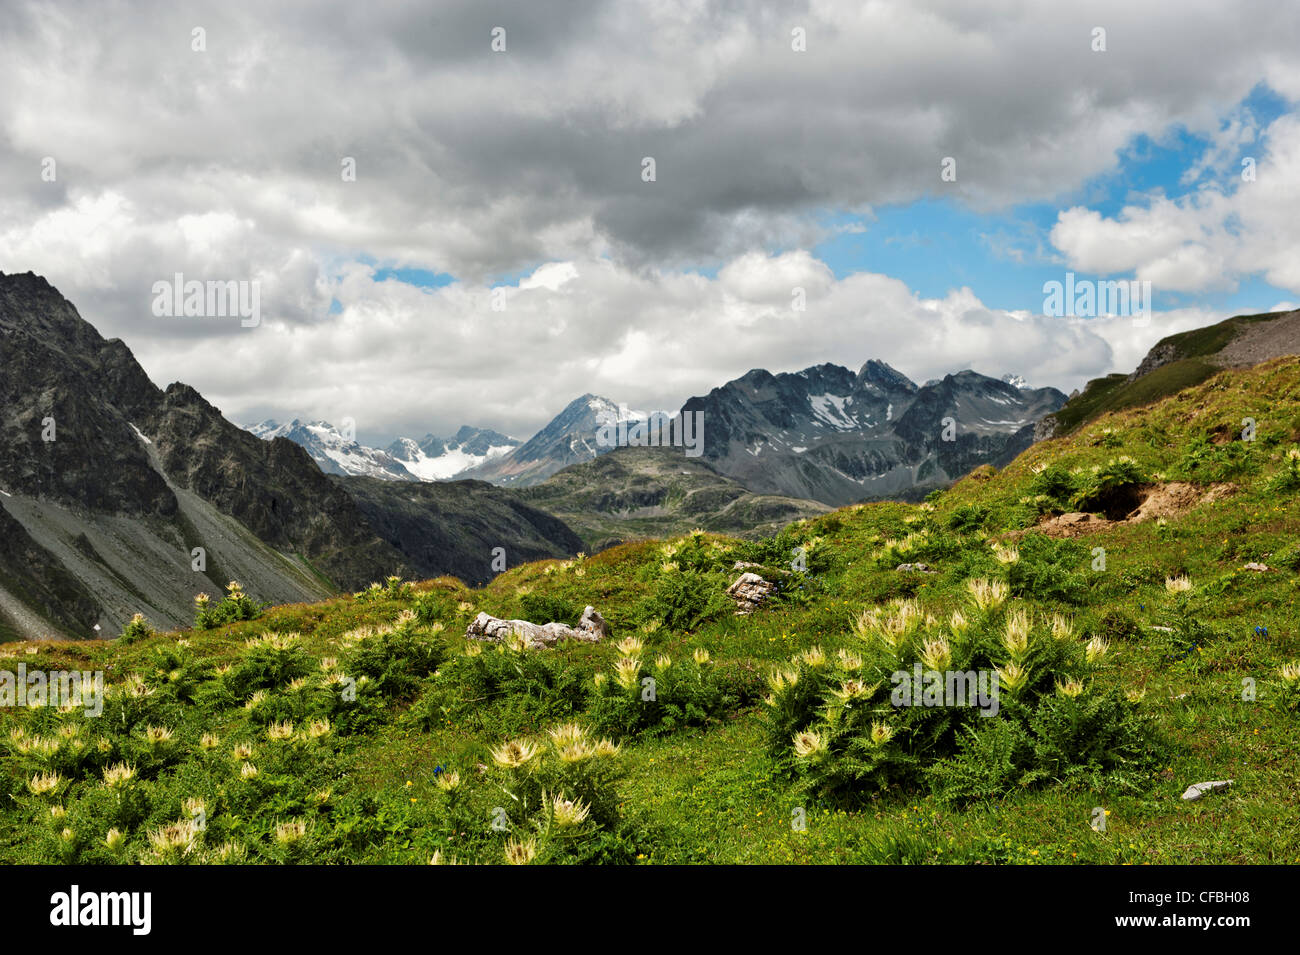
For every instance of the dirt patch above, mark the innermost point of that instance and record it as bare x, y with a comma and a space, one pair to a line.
1151, 501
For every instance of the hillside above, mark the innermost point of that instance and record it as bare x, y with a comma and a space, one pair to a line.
632, 493
1131, 586
1180, 361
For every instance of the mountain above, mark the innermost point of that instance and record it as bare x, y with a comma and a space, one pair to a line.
1180, 361
829, 435
656, 492
570, 438
453, 527
109, 483
333, 452
441, 459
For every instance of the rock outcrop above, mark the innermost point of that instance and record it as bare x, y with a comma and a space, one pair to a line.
592, 628
749, 591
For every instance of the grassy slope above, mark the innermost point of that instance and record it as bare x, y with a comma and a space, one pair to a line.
712, 796
1190, 366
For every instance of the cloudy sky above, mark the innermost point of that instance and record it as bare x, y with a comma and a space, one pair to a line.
500, 251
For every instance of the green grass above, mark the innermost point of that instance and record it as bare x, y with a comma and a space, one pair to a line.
705, 789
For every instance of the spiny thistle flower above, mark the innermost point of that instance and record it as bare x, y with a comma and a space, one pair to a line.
288, 833
1005, 555
881, 733
1178, 585
701, 656
134, 687
629, 646
848, 659
1096, 649
202, 600
988, 594
242, 751
567, 733
233, 588
1070, 688
298, 685
669, 567
575, 752
230, 852
280, 731
247, 771
958, 623
936, 654
283, 642
438, 858
779, 679
600, 679
473, 649
627, 672
114, 840
195, 806
118, 775
663, 661
223, 669
448, 781
519, 641
651, 627
404, 618
808, 743
177, 839
209, 741
58, 812
157, 736
70, 731
851, 690
1062, 626
514, 753
521, 852
437, 627
318, 728
1290, 672
323, 795
569, 812
813, 656
1016, 636
256, 700
1013, 676
1135, 696
606, 748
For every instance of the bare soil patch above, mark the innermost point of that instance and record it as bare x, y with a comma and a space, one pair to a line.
1150, 502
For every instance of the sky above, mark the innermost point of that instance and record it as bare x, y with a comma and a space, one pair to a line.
918, 170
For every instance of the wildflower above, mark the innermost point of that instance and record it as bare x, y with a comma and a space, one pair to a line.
701, 656
629, 646
280, 731
1005, 555
1062, 627
247, 771
958, 623
1135, 696
195, 806
118, 774
936, 654
157, 735
808, 743
473, 649
606, 748
318, 728
448, 782
813, 656
1178, 585
663, 661
628, 672
114, 840
569, 812
256, 700
521, 852
567, 734
243, 751
850, 690
514, 754
1016, 637
1070, 688
988, 594
575, 752
1096, 649
849, 660
881, 733
209, 741
1290, 672
1013, 676
288, 833
180, 837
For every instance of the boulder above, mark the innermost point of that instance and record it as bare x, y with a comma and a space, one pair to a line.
1197, 790
590, 629
749, 591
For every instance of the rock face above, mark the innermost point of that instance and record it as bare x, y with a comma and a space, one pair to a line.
749, 591
829, 435
1197, 790
590, 629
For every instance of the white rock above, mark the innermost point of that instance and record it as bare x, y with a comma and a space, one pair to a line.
1197, 790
